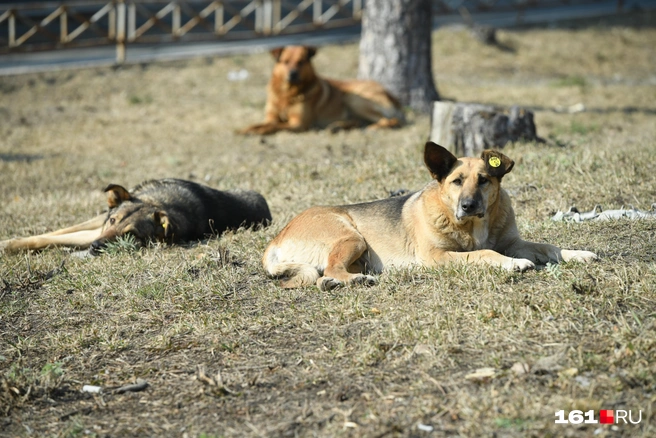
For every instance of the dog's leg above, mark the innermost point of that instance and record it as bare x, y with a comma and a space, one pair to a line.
343, 125
482, 257
296, 123
570, 255
543, 253
271, 121
260, 129
75, 235
78, 239
343, 254
272, 128
385, 123
377, 109
91, 224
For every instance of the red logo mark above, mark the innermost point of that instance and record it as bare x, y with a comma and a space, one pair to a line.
606, 416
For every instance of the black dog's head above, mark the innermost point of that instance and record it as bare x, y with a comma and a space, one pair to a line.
130, 216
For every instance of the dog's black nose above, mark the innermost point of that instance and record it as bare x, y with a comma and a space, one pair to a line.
468, 205
293, 76
96, 247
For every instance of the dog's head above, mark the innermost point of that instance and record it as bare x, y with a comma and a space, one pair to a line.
468, 186
130, 216
293, 64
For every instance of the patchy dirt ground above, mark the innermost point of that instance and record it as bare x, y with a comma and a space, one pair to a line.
225, 352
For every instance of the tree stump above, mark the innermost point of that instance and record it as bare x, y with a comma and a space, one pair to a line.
465, 129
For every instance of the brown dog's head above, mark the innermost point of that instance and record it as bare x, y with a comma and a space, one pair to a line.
293, 64
468, 186
130, 216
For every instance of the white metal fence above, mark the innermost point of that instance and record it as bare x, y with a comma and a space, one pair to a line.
47, 25
78, 23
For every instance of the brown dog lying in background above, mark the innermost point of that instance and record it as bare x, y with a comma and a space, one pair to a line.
298, 99
462, 215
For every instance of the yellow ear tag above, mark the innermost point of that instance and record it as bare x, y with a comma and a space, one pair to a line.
165, 225
494, 161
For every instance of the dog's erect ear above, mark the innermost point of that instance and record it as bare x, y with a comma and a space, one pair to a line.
116, 194
496, 163
438, 160
311, 51
163, 219
277, 52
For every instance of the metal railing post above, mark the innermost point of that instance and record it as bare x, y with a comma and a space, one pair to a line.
111, 23
277, 13
63, 26
131, 21
175, 20
357, 9
120, 32
316, 12
266, 17
12, 29
218, 19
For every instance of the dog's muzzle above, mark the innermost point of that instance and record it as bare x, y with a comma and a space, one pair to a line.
470, 207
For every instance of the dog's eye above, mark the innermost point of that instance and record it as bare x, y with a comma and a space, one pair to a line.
457, 182
112, 221
482, 180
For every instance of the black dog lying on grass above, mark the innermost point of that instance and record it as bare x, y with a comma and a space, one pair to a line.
167, 210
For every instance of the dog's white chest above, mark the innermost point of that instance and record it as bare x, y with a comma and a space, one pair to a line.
480, 234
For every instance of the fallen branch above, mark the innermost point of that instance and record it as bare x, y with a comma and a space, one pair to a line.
140, 385
598, 214
81, 411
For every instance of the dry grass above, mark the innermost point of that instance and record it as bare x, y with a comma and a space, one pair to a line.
359, 361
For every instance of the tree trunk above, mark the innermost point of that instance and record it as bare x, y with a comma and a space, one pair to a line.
395, 50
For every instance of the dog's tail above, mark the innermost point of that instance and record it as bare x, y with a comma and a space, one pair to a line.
294, 274
291, 274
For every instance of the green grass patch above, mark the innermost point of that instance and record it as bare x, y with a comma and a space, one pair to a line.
571, 81
135, 99
123, 244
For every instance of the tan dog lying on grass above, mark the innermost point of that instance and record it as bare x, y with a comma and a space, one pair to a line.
462, 215
298, 99
166, 210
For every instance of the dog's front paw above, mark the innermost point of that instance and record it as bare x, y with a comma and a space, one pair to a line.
246, 131
252, 129
367, 280
328, 283
519, 265
578, 256
7, 246
260, 129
